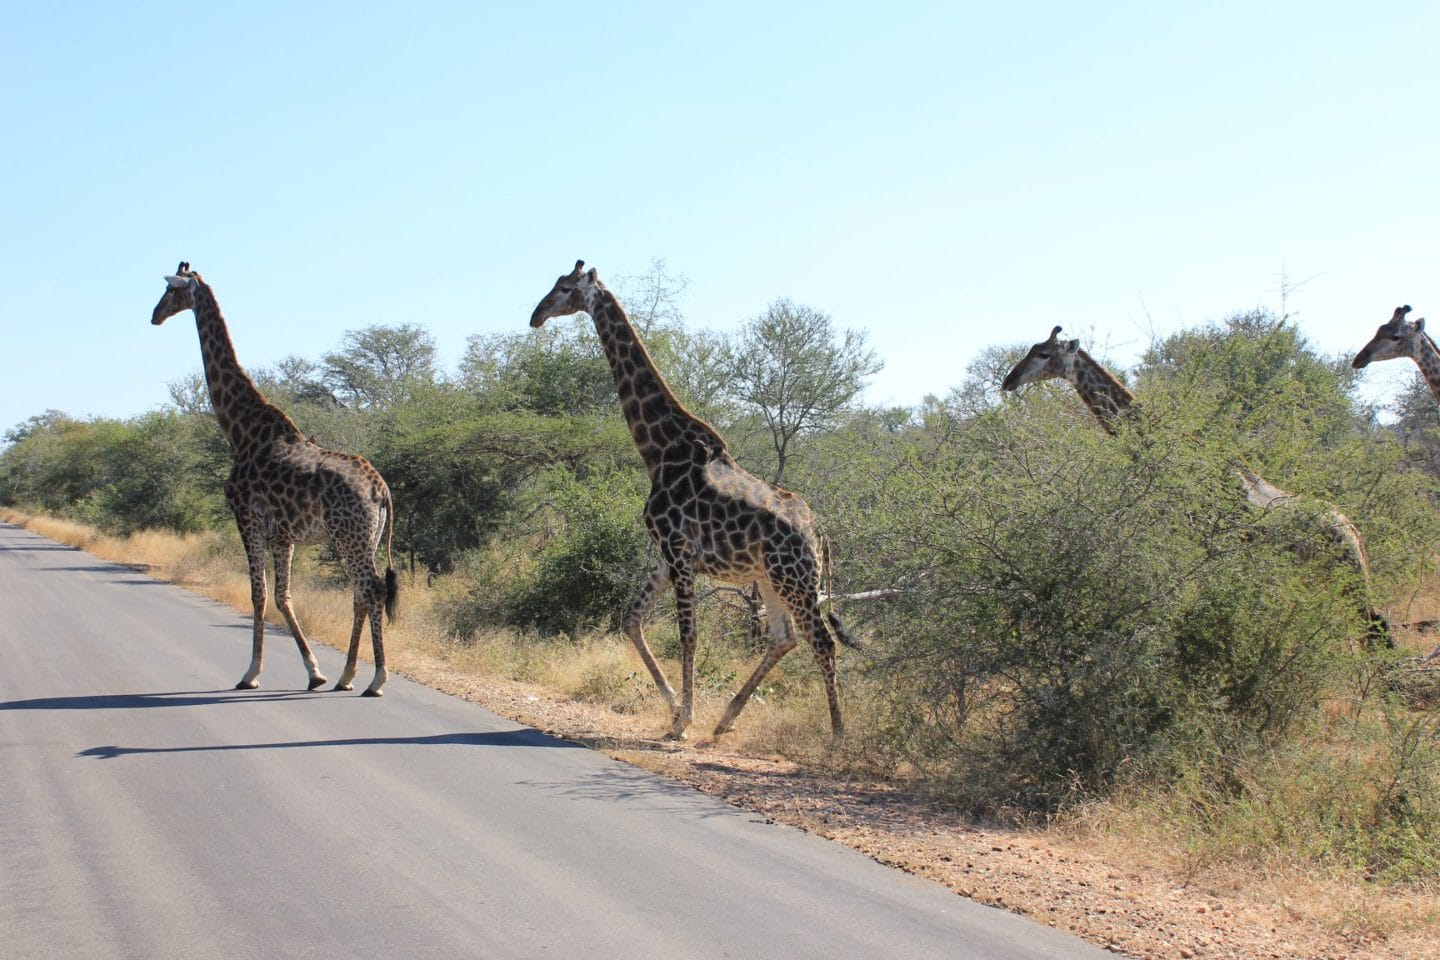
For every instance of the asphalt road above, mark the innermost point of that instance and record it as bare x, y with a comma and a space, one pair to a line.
149, 811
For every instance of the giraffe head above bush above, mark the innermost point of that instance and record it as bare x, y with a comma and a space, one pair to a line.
574, 292
1396, 338
179, 294
1047, 360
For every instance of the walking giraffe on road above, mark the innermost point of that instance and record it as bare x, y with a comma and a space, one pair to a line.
707, 515
1109, 400
285, 489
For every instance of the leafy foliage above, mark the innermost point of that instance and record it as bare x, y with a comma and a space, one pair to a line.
796, 374
590, 571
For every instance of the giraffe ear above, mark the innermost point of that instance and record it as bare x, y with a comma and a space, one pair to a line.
593, 275
1419, 324
174, 281
1071, 346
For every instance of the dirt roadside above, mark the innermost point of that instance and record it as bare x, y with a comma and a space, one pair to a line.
1065, 881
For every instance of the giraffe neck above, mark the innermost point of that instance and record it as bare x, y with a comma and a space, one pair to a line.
1106, 396
1427, 358
244, 414
658, 421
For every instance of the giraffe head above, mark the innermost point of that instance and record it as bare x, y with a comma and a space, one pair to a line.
573, 293
179, 294
1397, 338
1046, 360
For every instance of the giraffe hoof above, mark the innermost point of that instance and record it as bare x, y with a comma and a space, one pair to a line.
248, 685
344, 686
373, 693
316, 682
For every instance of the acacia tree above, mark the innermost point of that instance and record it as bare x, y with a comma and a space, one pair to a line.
380, 366
796, 372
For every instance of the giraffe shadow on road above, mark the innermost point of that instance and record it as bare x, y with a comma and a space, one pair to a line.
524, 737
130, 573
179, 698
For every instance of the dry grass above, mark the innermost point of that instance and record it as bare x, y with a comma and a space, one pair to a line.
1405, 918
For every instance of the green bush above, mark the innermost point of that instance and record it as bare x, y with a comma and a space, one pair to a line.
151, 472
590, 570
1076, 605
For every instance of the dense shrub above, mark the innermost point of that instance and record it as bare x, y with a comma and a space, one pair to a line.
591, 569
152, 472
1076, 608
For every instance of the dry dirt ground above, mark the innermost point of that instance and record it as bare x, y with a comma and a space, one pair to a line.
1112, 900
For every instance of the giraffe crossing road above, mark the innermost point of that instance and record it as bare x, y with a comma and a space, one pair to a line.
286, 489
707, 514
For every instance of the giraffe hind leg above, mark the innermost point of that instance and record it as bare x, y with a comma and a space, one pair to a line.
284, 554
375, 597
370, 591
802, 596
782, 641
822, 644
352, 653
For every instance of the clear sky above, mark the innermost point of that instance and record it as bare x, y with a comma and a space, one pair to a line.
946, 175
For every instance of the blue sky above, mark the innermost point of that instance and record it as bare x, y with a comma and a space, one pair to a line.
947, 176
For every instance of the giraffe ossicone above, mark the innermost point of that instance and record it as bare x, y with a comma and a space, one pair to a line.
707, 514
285, 489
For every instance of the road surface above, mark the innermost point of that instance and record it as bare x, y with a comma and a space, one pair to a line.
149, 811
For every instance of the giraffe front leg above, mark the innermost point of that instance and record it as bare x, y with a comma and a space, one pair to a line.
284, 554
683, 580
255, 557
634, 627
352, 655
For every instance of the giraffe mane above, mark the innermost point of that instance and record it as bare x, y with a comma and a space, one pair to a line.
718, 440
283, 418
1110, 379
1431, 342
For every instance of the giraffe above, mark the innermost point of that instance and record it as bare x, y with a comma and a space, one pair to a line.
1402, 338
1397, 338
284, 489
707, 515
1109, 401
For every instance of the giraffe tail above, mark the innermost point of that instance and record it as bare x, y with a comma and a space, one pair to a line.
827, 575
392, 580
842, 632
